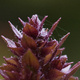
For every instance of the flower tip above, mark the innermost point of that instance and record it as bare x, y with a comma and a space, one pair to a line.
28, 19
22, 22
53, 28
65, 36
58, 20
71, 62
63, 39
79, 63
46, 16
20, 19
17, 33
10, 24
68, 33
63, 48
60, 17
2, 36
42, 22
4, 57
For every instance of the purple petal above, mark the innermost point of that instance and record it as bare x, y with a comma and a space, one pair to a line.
4, 74
72, 70
53, 28
63, 39
22, 22
42, 22
28, 19
59, 51
17, 33
9, 42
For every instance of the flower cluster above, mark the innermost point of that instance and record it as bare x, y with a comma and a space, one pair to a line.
37, 57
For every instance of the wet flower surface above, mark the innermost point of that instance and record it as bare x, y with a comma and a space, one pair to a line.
37, 57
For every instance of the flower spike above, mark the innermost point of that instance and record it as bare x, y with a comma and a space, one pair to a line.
36, 56
28, 19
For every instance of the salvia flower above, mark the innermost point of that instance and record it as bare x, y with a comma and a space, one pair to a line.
37, 57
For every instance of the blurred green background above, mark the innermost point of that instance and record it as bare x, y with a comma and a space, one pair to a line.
69, 10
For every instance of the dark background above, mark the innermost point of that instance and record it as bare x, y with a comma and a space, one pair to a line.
69, 10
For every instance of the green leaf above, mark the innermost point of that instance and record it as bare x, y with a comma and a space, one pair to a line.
29, 59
